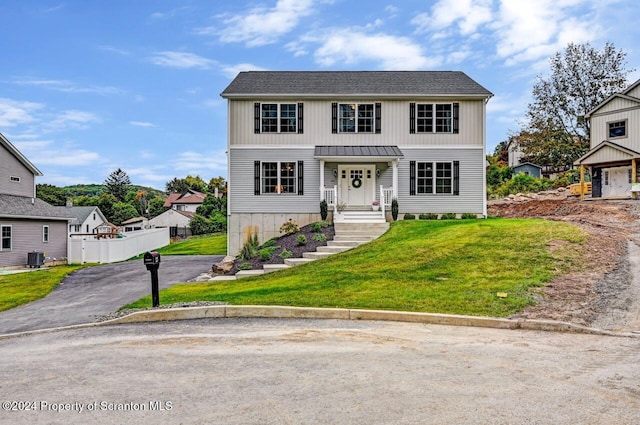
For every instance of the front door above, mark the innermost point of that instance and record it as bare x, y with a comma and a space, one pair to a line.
617, 181
356, 185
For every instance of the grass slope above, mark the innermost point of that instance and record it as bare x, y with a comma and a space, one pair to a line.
454, 266
197, 245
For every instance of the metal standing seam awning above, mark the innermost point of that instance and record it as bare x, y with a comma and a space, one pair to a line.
358, 153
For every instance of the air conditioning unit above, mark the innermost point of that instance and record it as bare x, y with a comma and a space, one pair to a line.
35, 259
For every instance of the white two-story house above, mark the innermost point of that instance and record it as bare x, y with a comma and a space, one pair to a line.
615, 145
351, 138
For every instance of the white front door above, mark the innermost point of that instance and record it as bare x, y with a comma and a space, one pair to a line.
616, 181
356, 185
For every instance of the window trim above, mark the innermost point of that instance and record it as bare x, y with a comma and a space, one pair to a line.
454, 118
374, 119
2, 237
296, 119
454, 178
626, 126
45, 233
279, 185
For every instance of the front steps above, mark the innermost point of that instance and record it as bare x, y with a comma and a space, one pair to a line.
355, 216
348, 235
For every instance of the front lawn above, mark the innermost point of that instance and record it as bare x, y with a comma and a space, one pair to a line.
451, 266
198, 245
21, 288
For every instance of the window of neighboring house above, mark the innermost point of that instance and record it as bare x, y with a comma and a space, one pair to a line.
356, 118
94, 216
179, 207
278, 118
278, 177
5, 232
617, 129
434, 176
14, 179
45, 234
434, 118
606, 178
87, 231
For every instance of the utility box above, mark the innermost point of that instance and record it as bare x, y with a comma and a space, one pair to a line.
35, 259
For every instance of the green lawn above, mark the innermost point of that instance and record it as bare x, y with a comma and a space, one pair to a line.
453, 266
21, 288
198, 245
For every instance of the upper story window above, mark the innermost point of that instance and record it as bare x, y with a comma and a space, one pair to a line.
433, 117
14, 179
278, 118
617, 129
356, 117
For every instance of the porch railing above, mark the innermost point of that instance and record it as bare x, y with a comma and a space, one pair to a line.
386, 195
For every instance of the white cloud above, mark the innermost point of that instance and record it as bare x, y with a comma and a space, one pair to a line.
232, 70
115, 50
48, 152
351, 46
14, 112
67, 86
468, 14
260, 26
201, 163
71, 119
141, 124
182, 60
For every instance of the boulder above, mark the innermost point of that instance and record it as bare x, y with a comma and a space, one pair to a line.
223, 266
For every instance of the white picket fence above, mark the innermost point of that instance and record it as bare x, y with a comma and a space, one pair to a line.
89, 250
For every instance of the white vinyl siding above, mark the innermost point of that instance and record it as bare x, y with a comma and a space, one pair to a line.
15, 178
394, 126
26, 236
600, 128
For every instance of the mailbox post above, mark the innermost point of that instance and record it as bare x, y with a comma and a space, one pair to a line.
152, 261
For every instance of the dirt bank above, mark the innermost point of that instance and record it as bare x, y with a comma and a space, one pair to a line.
605, 295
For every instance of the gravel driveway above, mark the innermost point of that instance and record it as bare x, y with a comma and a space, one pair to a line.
96, 291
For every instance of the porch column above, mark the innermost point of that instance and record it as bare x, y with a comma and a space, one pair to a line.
581, 182
322, 180
394, 165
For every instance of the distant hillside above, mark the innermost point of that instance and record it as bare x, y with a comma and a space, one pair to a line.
97, 189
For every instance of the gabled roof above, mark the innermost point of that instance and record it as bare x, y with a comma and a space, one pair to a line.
189, 197
527, 163
354, 83
81, 213
607, 151
13, 206
7, 144
623, 95
135, 220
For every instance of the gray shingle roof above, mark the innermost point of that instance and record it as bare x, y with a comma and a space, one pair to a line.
79, 213
12, 206
381, 83
368, 151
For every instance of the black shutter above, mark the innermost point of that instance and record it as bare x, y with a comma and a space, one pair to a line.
256, 117
334, 118
300, 117
456, 177
412, 178
456, 114
412, 118
256, 177
300, 177
378, 117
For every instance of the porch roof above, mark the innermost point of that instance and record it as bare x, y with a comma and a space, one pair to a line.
361, 153
607, 152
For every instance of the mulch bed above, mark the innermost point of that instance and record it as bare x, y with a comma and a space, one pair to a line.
289, 242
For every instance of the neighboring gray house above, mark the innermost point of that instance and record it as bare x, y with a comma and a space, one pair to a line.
351, 138
27, 223
613, 159
528, 169
86, 220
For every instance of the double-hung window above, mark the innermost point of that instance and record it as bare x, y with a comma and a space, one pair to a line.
434, 177
5, 233
356, 117
278, 117
433, 117
45, 234
278, 177
617, 129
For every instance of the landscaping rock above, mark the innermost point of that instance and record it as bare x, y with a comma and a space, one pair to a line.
223, 266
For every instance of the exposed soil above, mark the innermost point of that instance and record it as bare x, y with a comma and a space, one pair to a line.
605, 294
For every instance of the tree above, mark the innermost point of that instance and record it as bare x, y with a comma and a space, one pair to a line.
196, 183
211, 204
156, 207
106, 201
581, 78
218, 183
176, 185
123, 212
118, 184
51, 194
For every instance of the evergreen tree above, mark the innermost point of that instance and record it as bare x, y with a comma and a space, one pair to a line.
117, 184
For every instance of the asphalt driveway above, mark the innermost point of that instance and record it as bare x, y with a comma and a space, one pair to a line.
95, 291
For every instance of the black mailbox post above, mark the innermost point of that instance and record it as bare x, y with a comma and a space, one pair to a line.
152, 261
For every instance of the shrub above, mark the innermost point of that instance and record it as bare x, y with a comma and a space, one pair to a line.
250, 248
428, 216
289, 227
285, 254
319, 237
394, 209
408, 216
244, 266
324, 208
270, 242
301, 240
448, 216
266, 253
318, 225
467, 216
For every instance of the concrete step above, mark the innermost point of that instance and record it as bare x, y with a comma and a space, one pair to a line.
345, 243
268, 268
373, 228
333, 249
297, 261
222, 277
316, 255
351, 237
248, 273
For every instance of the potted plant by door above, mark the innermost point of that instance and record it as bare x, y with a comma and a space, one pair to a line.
375, 205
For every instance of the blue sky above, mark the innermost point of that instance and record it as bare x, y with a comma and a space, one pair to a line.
88, 86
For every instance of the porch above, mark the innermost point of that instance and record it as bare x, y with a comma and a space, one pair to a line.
376, 212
